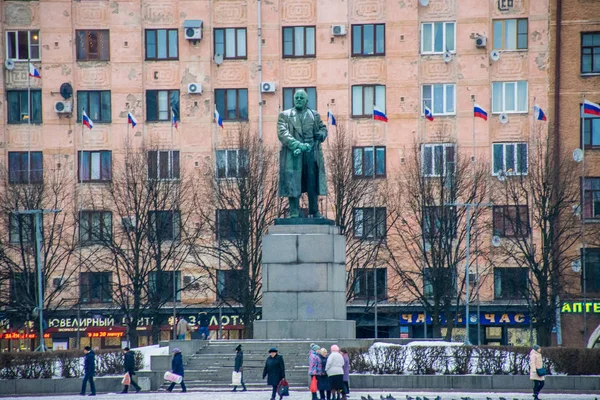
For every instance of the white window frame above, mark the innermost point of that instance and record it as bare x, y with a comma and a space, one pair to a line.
432, 146
516, 159
238, 154
29, 45
503, 100
430, 98
445, 44
169, 161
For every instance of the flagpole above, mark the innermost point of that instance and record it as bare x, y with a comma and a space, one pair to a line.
583, 244
29, 121
79, 195
375, 226
172, 176
327, 152
473, 132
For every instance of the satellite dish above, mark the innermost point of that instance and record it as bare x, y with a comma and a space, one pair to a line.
427, 246
502, 176
578, 155
218, 58
503, 118
495, 55
424, 3
496, 242
576, 265
9, 64
447, 57
576, 209
66, 90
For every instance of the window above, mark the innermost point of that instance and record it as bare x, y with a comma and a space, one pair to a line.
161, 44
163, 164
161, 103
511, 221
591, 130
439, 222
365, 226
229, 224
18, 107
95, 226
288, 97
510, 34
232, 163
591, 198
592, 271
95, 166
368, 40
21, 228
365, 280
93, 45
299, 41
161, 285
231, 42
231, 284
164, 225
438, 159
439, 280
23, 45
23, 287
232, 104
438, 37
439, 98
95, 287
363, 98
510, 283
510, 158
363, 161
25, 167
590, 53
509, 97
96, 104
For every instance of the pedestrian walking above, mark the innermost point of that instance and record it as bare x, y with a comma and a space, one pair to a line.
315, 368
203, 326
335, 372
129, 368
274, 371
177, 368
346, 371
238, 367
89, 370
182, 329
323, 380
537, 371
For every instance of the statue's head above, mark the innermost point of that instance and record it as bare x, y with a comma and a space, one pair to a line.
300, 99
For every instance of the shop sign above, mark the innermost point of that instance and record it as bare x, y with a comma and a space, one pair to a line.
489, 318
80, 323
104, 334
18, 336
578, 307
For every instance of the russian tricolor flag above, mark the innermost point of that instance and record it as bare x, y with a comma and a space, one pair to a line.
590, 108
331, 118
87, 121
218, 119
131, 120
174, 119
428, 114
479, 112
33, 72
538, 113
379, 115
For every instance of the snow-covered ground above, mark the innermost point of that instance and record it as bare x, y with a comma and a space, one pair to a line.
148, 351
264, 395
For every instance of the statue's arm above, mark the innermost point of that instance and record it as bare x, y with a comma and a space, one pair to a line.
321, 129
285, 137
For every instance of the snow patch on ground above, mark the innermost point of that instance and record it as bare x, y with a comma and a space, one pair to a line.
148, 351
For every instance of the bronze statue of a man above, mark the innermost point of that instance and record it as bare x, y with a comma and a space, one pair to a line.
301, 164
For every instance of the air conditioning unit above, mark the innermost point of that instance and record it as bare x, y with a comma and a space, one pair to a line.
338, 30
192, 29
63, 107
267, 87
194, 88
480, 41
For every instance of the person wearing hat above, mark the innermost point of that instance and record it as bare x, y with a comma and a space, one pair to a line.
535, 365
129, 368
177, 368
274, 370
239, 361
315, 368
335, 372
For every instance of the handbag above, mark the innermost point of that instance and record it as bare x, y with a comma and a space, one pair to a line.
171, 377
541, 371
313, 385
283, 389
126, 381
236, 378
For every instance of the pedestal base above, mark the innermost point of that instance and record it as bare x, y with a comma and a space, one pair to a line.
309, 329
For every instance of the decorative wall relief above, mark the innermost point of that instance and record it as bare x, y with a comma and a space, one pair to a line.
230, 12
369, 70
439, 9
300, 72
94, 76
85, 12
21, 14
162, 75
367, 10
235, 75
159, 12
298, 11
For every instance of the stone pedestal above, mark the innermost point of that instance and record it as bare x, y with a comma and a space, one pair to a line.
304, 284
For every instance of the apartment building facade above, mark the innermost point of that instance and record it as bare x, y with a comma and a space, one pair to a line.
181, 58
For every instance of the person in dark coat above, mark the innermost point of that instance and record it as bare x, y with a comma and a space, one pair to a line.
323, 380
177, 368
275, 370
89, 370
129, 368
239, 361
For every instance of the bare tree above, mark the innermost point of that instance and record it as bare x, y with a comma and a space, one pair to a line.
426, 247
236, 202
